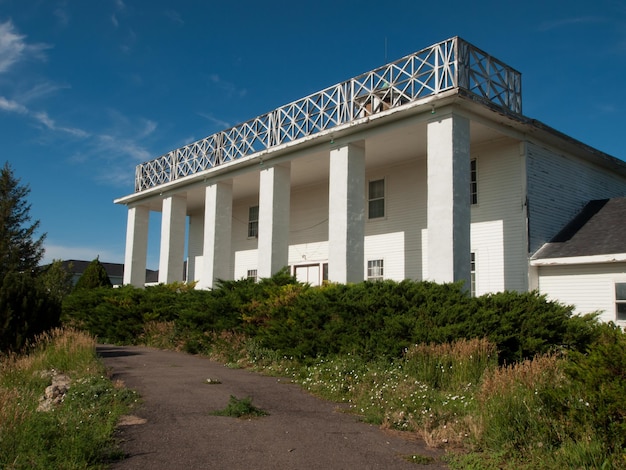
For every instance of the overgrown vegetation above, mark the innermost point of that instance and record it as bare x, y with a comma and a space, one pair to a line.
512, 379
76, 433
240, 408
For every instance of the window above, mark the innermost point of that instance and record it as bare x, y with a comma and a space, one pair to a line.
252, 274
473, 183
473, 274
620, 301
375, 270
325, 272
253, 222
376, 199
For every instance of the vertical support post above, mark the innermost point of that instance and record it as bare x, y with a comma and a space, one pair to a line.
136, 254
346, 214
216, 253
171, 260
274, 205
449, 218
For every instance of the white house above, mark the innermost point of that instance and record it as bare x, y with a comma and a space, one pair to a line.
424, 168
585, 263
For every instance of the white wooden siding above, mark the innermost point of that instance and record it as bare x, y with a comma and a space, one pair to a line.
498, 235
244, 261
589, 288
558, 188
487, 243
396, 238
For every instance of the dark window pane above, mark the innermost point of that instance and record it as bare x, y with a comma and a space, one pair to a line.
377, 189
377, 208
620, 291
621, 311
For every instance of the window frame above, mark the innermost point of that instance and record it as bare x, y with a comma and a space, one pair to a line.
473, 274
473, 182
620, 300
253, 224
377, 199
378, 265
252, 274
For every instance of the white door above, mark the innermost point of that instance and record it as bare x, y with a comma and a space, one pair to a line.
308, 274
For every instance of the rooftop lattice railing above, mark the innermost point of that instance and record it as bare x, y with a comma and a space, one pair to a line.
450, 64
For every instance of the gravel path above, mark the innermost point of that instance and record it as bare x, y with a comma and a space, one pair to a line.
174, 428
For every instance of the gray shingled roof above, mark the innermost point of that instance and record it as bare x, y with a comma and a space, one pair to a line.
599, 229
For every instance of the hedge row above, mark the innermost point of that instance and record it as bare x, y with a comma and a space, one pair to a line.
371, 319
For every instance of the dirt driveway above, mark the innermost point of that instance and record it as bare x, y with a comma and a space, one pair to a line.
300, 432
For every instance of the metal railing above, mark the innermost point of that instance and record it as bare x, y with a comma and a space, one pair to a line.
450, 64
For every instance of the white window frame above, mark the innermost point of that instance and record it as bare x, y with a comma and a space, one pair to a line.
473, 274
371, 199
252, 274
620, 301
253, 224
375, 269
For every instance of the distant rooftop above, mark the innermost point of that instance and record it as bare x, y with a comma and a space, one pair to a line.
448, 65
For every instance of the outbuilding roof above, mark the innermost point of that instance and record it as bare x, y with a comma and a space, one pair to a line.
598, 229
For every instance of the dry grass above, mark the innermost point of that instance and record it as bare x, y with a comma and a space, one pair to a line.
542, 371
460, 350
160, 335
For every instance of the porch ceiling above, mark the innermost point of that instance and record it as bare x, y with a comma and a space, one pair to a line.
382, 149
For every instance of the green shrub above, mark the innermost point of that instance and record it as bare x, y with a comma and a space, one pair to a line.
521, 324
601, 375
94, 276
26, 310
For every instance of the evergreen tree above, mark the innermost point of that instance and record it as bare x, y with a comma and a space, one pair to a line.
26, 310
94, 276
20, 250
56, 280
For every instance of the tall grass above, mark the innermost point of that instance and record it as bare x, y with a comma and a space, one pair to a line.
77, 433
529, 415
551, 411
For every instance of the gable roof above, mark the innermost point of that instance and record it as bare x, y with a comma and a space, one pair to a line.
598, 229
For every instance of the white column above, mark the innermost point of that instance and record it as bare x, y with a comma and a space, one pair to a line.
449, 199
195, 242
218, 209
171, 260
274, 202
346, 214
136, 246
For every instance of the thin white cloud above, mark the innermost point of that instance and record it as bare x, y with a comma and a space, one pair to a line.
62, 15
175, 17
12, 106
218, 123
226, 86
14, 48
573, 21
40, 90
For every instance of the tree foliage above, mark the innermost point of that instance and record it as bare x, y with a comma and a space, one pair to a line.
57, 280
94, 276
20, 249
26, 310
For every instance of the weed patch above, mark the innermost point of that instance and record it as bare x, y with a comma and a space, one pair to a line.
240, 408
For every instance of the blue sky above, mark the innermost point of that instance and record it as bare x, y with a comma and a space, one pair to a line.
89, 89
